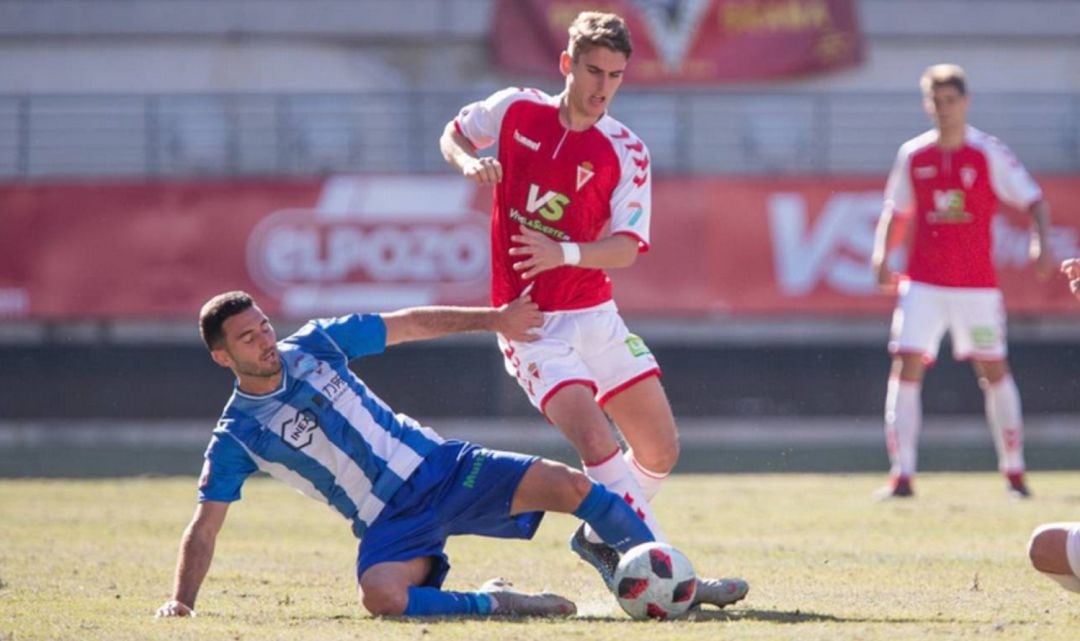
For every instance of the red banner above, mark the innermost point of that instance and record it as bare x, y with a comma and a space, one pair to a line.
353, 243
691, 41
803, 245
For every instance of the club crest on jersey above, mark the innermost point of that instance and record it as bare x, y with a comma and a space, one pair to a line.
298, 431
968, 176
584, 174
531, 144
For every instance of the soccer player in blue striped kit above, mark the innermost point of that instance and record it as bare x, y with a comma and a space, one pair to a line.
298, 413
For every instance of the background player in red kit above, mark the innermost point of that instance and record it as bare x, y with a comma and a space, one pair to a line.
948, 182
572, 198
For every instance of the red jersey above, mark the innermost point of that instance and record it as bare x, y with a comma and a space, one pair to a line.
953, 195
573, 186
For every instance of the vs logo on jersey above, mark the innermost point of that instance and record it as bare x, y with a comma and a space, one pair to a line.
551, 205
949, 207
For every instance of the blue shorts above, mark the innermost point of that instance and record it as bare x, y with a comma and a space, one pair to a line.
460, 488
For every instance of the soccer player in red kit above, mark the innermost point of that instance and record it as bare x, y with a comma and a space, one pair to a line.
947, 184
572, 189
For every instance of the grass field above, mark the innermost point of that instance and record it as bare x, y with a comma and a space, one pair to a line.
93, 559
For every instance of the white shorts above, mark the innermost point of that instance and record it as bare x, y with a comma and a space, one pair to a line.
591, 346
974, 317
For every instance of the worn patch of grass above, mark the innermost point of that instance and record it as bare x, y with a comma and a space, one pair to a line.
93, 559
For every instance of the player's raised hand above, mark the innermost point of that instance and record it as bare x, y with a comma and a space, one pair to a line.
1071, 269
517, 318
538, 252
485, 170
174, 609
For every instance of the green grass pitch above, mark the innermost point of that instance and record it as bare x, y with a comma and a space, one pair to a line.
92, 560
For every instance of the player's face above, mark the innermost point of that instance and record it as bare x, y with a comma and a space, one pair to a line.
250, 345
593, 79
947, 107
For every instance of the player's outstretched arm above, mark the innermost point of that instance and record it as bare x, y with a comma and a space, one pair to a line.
462, 156
537, 253
193, 561
513, 320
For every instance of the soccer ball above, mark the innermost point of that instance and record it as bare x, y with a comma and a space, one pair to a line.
655, 581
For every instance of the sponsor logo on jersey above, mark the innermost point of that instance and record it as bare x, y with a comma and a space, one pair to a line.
531, 144
474, 472
924, 172
638, 211
584, 174
539, 226
637, 346
335, 388
949, 207
298, 431
551, 205
968, 176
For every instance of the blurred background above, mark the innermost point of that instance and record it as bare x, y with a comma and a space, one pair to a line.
156, 152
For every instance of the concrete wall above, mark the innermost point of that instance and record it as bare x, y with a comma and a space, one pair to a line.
453, 378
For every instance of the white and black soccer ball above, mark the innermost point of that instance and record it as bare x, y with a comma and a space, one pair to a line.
655, 581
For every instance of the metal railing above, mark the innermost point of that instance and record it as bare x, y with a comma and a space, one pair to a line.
396, 132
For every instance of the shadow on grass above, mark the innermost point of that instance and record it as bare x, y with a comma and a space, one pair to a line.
799, 616
700, 616
773, 616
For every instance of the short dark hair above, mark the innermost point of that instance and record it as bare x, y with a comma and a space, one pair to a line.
216, 311
944, 75
593, 29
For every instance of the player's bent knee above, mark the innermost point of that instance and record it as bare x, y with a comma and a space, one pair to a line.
384, 601
668, 457
578, 487
659, 459
568, 486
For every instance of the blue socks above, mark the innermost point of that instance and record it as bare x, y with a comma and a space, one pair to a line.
432, 602
614, 520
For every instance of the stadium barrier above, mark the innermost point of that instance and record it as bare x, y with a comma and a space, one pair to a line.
720, 246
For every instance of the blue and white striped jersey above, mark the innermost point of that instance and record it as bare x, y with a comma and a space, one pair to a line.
322, 432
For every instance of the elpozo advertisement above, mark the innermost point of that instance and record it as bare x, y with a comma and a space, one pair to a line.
304, 248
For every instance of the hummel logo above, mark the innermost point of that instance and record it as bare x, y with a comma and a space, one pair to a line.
531, 144
928, 171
